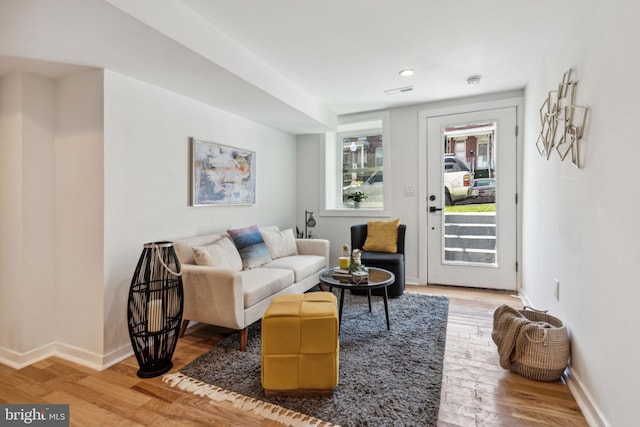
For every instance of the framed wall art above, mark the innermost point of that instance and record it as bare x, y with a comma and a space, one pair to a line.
222, 175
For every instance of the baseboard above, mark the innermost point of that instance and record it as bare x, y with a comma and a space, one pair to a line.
17, 360
411, 281
583, 398
95, 361
73, 354
524, 298
585, 401
117, 356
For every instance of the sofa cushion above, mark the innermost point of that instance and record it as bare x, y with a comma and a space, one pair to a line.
184, 247
280, 243
302, 266
382, 236
251, 246
222, 254
261, 283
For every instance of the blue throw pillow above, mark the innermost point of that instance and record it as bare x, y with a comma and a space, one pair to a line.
251, 246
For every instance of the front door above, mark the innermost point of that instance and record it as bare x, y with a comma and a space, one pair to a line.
471, 199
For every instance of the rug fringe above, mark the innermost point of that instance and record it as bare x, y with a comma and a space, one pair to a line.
244, 403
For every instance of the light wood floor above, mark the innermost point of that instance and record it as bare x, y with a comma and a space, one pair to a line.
475, 390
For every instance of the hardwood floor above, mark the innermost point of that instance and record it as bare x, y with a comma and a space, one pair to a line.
476, 391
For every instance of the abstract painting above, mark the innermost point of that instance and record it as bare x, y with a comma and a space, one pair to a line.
222, 175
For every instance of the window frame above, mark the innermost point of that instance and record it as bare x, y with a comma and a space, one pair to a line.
332, 189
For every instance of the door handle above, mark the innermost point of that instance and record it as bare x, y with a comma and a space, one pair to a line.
434, 209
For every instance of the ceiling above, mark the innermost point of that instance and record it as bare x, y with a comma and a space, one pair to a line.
347, 53
294, 64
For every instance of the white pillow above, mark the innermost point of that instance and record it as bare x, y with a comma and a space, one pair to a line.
222, 254
280, 243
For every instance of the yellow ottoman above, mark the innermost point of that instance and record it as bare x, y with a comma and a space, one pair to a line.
300, 345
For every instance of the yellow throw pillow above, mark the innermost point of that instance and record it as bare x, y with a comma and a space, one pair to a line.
382, 236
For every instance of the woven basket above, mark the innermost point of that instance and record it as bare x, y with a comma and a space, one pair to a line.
542, 347
531, 343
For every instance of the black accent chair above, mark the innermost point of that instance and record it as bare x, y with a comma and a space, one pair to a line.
388, 261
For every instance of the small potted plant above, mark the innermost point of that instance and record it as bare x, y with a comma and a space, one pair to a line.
357, 197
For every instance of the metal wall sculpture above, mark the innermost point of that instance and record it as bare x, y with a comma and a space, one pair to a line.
562, 122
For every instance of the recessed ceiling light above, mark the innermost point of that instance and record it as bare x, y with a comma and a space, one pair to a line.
473, 80
406, 72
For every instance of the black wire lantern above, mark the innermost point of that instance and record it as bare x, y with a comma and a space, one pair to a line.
155, 306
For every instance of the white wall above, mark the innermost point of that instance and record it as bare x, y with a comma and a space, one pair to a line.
79, 216
11, 246
51, 147
92, 167
580, 225
403, 172
27, 215
146, 194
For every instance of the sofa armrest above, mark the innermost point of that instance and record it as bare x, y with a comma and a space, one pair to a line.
213, 296
318, 247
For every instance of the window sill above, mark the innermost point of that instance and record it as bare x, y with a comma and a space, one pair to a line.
361, 212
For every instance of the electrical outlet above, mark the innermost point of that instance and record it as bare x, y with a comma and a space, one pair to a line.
556, 289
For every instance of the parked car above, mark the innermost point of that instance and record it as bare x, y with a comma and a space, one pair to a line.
483, 190
457, 179
372, 187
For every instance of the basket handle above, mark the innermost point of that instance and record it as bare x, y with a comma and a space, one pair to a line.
536, 326
526, 307
166, 267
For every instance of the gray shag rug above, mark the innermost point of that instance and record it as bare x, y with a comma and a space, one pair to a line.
386, 378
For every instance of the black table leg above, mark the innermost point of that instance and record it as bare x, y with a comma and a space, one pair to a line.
340, 310
386, 308
369, 295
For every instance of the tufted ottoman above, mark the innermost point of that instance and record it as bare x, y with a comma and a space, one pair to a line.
300, 345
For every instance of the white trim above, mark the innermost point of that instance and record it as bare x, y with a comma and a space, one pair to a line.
583, 398
329, 203
67, 352
423, 115
585, 401
117, 356
524, 297
360, 213
20, 360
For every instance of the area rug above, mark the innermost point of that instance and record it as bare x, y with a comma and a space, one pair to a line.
387, 378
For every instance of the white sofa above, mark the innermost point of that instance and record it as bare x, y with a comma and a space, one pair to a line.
229, 295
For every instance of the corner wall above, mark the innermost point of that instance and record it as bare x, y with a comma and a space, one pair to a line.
93, 166
79, 199
580, 225
27, 187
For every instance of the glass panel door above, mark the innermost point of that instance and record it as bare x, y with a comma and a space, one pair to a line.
469, 193
471, 184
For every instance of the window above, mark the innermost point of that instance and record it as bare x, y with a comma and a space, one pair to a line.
461, 149
359, 159
482, 162
379, 156
362, 170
